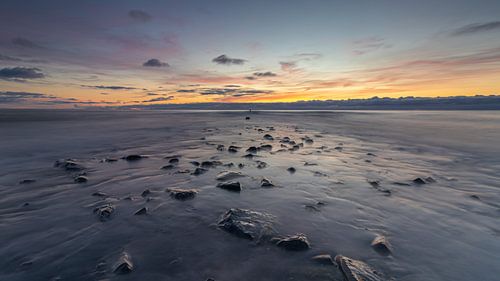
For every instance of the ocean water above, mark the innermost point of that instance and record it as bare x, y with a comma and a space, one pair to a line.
448, 229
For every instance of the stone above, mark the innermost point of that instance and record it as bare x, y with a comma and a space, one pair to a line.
261, 164
249, 156
99, 194
266, 183
252, 149
296, 242
69, 165
81, 179
268, 137
27, 181
195, 163
133, 157
124, 264
104, 212
231, 186
141, 211
247, 118
173, 161
291, 170
354, 270
228, 175
247, 224
210, 164
381, 245
325, 259
199, 171
146, 192
266, 147
168, 167
221, 147
419, 181
182, 194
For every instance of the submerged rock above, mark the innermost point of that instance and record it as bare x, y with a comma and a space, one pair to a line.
261, 164
182, 194
168, 167
173, 161
221, 147
252, 149
296, 242
266, 183
199, 171
99, 194
241, 165
146, 192
124, 264
196, 163
133, 157
419, 181
81, 179
381, 245
249, 156
325, 259
247, 224
210, 164
104, 212
141, 211
268, 137
69, 165
266, 147
291, 170
233, 149
232, 186
354, 270
27, 181
228, 175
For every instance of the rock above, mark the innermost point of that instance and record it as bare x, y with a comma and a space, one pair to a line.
109, 160
266, 147
261, 164
325, 259
247, 118
69, 165
266, 183
233, 149
210, 164
419, 181
474, 196
295, 148
241, 165
381, 245
104, 212
228, 175
182, 194
247, 224
285, 140
141, 211
249, 156
168, 167
81, 179
133, 157
173, 161
291, 170
195, 163
370, 154
199, 171
296, 242
99, 194
268, 137
27, 181
338, 148
252, 149
430, 180
124, 264
146, 192
374, 184
229, 165
310, 164
354, 270
221, 147
231, 186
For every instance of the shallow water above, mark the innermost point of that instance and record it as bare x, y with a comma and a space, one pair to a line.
437, 230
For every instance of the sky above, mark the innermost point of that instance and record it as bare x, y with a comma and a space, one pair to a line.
60, 54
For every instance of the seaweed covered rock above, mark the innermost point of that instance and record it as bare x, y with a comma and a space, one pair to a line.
247, 224
354, 270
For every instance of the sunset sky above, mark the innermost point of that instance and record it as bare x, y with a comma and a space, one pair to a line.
84, 53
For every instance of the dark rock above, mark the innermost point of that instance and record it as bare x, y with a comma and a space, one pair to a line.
354, 270
141, 211
81, 179
268, 137
133, 157
168, 167
228, 175
182, 194
231, 186
374, 184
429, 180
69, 165
291, 170
474, 196
266, 147
323, 259
186, 171
99, 194
338, 148
221, 147
146, 192
104, 212
296, 242
210, 164
195, 163
249, 156
252, 149
247, 224
310, 164
266, 183
241, 165
233, 149
419, 181
124, 264
295, 148
199, 171
285, 140
27, 181
381, 245
261, 164
370, 154
247, 118
173, 161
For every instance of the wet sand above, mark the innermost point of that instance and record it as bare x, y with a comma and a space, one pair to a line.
355, 179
